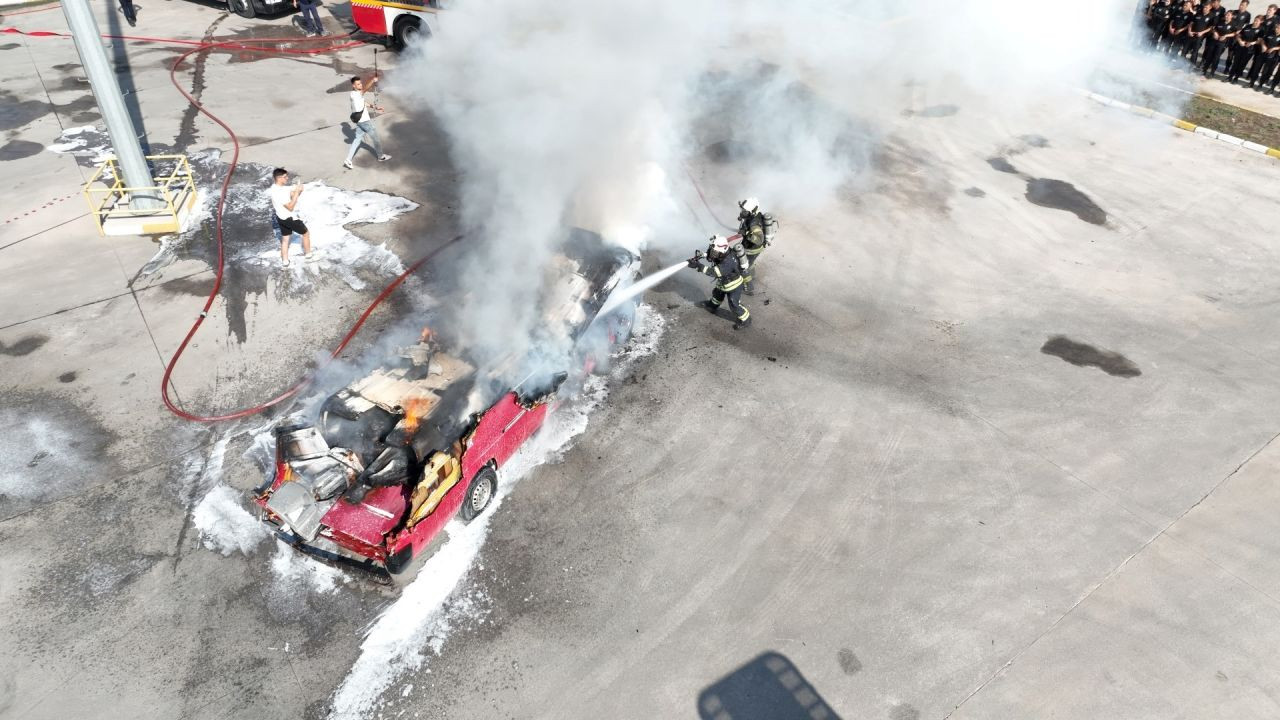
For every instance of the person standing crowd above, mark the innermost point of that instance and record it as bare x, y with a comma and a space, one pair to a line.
1204, 35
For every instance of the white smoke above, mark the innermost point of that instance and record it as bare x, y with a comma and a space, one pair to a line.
579, 112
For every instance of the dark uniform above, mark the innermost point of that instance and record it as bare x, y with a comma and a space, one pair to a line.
1239, 21
1269, 22
729, 270
1201, 26
1179, 21
1223, 33
757, 230
1138, 32
1260, 58
1246, 45
1268, 61
1159, 22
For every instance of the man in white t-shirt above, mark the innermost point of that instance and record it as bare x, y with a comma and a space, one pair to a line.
363, 122
284, 203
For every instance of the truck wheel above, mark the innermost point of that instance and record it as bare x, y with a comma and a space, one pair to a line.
407, 28
479, 493
243, 8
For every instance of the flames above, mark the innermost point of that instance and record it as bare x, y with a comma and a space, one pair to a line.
415, 409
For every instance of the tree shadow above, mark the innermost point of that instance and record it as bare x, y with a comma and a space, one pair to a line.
768, 687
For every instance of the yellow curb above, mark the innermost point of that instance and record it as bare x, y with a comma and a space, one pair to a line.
1183, 124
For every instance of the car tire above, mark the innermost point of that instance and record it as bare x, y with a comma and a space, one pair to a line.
243, 8
479, 493
407, 28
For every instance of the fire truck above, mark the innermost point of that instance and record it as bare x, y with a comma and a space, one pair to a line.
399, 22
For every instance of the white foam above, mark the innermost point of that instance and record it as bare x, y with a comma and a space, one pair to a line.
225, 525
428, 608
295, 571
88, 141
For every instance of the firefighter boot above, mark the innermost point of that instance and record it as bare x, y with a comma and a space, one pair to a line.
748, 288
711, 307
742, 324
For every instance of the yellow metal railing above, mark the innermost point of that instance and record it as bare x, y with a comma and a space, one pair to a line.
174, 185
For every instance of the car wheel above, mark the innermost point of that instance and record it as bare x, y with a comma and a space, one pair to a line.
243, 8
479, 493
408, 28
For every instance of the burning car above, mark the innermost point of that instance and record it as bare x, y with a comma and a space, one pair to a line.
396, 454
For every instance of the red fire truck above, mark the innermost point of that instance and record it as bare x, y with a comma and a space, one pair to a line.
398, 21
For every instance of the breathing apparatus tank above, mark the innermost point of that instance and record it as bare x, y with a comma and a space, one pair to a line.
770, 229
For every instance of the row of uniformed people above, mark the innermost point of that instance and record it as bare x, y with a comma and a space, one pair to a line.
1214, 39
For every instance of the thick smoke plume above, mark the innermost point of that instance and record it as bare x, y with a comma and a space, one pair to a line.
587, 113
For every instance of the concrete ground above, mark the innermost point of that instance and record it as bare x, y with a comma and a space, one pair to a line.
998, 445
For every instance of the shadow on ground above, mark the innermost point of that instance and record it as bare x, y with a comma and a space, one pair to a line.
769, 687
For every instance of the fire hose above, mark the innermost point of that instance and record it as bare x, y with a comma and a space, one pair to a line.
245, 46
251, 45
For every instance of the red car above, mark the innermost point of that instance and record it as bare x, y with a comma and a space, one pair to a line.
395, 455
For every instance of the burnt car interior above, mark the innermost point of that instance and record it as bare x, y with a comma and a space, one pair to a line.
405, 423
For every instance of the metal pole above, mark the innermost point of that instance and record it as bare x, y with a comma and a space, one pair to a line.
124, 139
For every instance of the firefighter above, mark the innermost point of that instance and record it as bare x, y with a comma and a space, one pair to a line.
757, 230
729, 267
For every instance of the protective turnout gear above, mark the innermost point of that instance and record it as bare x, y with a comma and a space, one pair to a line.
757, 230
728, 269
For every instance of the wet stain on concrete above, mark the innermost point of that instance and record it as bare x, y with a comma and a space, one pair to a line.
1002, 165
1059, 195
187, 126
84, 118
66, 67
1035, 141
9, 46
200, 287
975, 192
1053, 194
849, 663
903, 711
1083, 355
18, 149
67, 377
15, 113
24, 346
933, 111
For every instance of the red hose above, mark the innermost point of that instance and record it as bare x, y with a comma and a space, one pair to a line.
706, 204
226, 184
244, 45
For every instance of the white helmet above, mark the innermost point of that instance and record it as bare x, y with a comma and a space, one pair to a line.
750, 204
720, 243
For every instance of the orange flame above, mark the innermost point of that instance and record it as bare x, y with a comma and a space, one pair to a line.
414, 410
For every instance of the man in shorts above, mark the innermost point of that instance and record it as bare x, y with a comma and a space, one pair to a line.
284, 202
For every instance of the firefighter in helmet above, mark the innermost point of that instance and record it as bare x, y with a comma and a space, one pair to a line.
729, 267
757, 230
